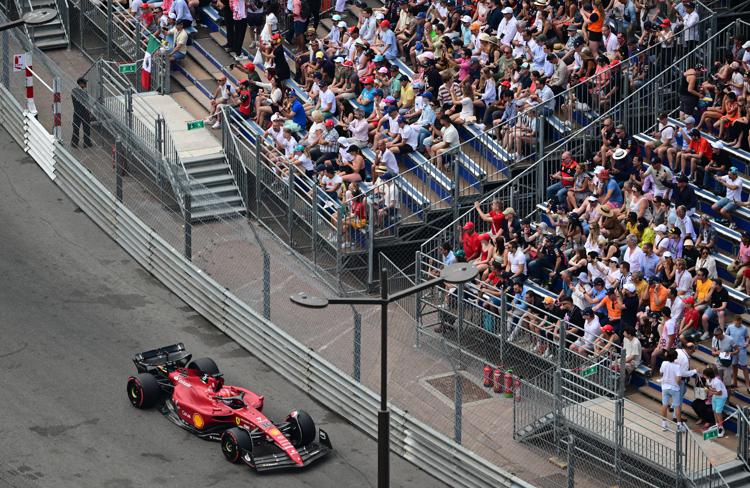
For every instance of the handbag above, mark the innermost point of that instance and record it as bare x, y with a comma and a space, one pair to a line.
700, 393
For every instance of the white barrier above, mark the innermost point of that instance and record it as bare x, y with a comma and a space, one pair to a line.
410, 438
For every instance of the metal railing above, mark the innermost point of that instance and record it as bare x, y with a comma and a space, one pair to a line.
743, 435
63, 10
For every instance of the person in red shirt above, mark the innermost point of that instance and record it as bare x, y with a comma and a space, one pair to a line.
564, 177
699, 151
690, 324
495, 217
471, 243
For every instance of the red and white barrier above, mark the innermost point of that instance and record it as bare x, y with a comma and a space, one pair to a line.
30, 105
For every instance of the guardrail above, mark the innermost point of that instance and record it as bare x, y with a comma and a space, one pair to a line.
411, 439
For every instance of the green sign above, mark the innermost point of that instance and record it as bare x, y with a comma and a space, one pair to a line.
590, 370
127, 68
195, 124
711, 433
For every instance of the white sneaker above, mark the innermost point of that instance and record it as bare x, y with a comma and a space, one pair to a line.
721, 432
481, 126
704, 336
216, 125
680, 427
664, 425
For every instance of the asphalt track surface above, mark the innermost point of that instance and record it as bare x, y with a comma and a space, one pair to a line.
74, 308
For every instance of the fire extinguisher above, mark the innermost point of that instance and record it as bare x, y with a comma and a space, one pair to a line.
508, 380
497, 378
487, 376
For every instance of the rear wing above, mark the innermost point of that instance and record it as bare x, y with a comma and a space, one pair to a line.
174, 355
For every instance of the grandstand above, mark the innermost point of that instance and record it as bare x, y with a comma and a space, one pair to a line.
429, 200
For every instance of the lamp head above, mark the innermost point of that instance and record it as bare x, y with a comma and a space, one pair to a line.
39, 17
458, 273
307, 301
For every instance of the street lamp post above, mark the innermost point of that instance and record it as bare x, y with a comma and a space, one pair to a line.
35, 17
456, 274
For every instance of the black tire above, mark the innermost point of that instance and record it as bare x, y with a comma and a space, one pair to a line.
204, 366
143, 390
303, 431
233, 442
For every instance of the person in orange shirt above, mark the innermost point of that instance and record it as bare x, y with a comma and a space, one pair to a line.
612, 304
699, 150
657, 295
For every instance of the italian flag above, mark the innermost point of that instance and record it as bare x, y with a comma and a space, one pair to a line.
151, 47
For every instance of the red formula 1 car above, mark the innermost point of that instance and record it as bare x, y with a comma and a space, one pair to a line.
192, 394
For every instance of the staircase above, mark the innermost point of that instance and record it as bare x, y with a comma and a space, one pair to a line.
52, 35
735, 474
213, 190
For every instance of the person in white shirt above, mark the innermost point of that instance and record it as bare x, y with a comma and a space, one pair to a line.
733, 198
683, 280
611, 45
633, 351
591, 330
516, 260
367, 25
327, 98
407, 140
443, 141
388, 215
691, 30
507, 29
386, 157
670, 388
665, 139
633, 253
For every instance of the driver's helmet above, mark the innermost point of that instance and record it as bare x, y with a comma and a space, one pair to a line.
215, 382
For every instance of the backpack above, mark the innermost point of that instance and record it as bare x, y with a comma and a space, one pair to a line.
305, 9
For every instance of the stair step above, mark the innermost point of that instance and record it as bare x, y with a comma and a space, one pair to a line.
52, 43
211, 168
49, 33
202, 160
217, 213
213, 202
738, 479
213, 190
212, 179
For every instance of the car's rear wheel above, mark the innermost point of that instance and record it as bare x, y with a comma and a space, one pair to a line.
143, 390
204, 366
233, 442
303, 431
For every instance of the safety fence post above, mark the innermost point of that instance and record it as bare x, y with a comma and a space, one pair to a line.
266, 286
188, 228
357, 353
30, 105
118, 168
56, 109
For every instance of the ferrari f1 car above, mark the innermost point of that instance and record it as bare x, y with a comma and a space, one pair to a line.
192, 394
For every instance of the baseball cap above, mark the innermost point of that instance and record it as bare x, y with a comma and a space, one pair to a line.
299, 147
572, 27
319, 54
378, 58
276, 116
667, 254
583, 277
421, 15
484, 237
689, 120
733, 170
629, 287
338, 60
746, 45
427, 95
717, 144
329, 123
468, 226
614, 260
385, 24
348, 63
548, 300
661, 228
689, 300
367, 80
383, 70
466, 19
335, 17
401, 119
608, 328
507, 10
342, 24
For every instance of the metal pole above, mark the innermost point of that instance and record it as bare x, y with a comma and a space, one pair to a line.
383, 413
129, 107
266, 286
557, 387
290, 204
620, 418
258, 185
56, 109
456, 187
571, 461
418, 298
6, 59
678, 459
356, 367
188, 228
110, 13
339, 246
315, 217
370, 246
503, 330
118, 168
458, 397
540, 139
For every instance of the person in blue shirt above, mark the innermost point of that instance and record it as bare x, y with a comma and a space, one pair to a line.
297, 111
611, 193
365, 99
649, 261
387, 44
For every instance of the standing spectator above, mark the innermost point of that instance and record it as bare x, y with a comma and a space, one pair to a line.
81, 114
667, 336
738, 332
690, 28
719, 395
683, 361
670, 387
723, 348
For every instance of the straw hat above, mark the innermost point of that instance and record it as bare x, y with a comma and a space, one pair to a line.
605, 210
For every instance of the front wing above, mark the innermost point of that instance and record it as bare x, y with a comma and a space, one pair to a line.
280, 460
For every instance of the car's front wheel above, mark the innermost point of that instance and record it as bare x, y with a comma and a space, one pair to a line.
303, 428
233, 442
143, 390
